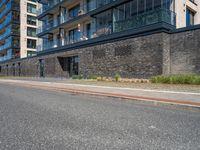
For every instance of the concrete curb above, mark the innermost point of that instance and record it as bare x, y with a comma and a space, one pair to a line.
141, 99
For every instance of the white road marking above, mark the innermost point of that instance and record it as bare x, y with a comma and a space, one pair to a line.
105, 87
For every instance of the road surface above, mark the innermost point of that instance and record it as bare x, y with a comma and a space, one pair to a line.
35, 119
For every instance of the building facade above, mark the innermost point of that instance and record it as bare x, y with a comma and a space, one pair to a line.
66, 22
187, 13
135, 38
18, 24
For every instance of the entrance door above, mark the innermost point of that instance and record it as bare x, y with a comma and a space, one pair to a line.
70, 65
73, 64
41, 67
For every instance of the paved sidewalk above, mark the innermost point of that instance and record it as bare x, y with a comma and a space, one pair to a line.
158, 96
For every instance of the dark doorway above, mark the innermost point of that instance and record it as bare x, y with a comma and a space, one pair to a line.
70, 65
19, 69
41, 61
7, 70
13, 68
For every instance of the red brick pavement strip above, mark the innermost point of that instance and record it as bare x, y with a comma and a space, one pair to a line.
109, 94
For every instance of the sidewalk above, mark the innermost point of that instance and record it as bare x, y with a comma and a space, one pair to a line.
184, 98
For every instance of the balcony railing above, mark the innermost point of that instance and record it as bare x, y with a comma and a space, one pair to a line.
7, 20
9, 31
55, 22
7, 45
50, 5
2, 3
9, 5
90, 6
151, 17
101, 31
9, 55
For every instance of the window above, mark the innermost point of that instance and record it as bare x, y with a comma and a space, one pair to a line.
73, 12
15, 16
31, 43
74, 35
189, 17
31, 8
31, 20
16, 41
88, 29
31, 53
31, 31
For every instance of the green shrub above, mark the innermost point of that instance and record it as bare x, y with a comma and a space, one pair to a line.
92, 77
177, 79
117, 77
77, 77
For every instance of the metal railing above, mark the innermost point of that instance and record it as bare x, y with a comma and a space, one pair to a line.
83, 36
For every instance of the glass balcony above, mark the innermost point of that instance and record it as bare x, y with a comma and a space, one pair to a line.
7, 45
50, 5
6, 57
151, 17
2, 3
64, 18
9, 5
91, 5
8, 31
7, 20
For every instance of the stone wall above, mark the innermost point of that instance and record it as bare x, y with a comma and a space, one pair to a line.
185, 52
139, 57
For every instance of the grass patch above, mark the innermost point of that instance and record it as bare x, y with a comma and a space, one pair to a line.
77, 77
177, 79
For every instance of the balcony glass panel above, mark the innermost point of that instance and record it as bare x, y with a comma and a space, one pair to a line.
7, 55
11, 4
10, 42
6, 45
12, 29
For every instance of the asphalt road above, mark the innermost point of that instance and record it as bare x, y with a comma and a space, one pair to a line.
32, 119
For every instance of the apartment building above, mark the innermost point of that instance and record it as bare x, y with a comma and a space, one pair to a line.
187, 13
66, 22
135, 38
18, 25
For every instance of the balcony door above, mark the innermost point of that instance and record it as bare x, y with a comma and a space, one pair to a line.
74, 35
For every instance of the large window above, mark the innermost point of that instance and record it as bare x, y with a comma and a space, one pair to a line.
137, 13
31, 43
31, 8
31, 20
74, 35
189, 17
31, 31
73, 12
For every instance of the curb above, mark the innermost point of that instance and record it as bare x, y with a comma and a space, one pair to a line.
141, 99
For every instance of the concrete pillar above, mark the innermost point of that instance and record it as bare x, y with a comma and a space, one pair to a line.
166, 54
